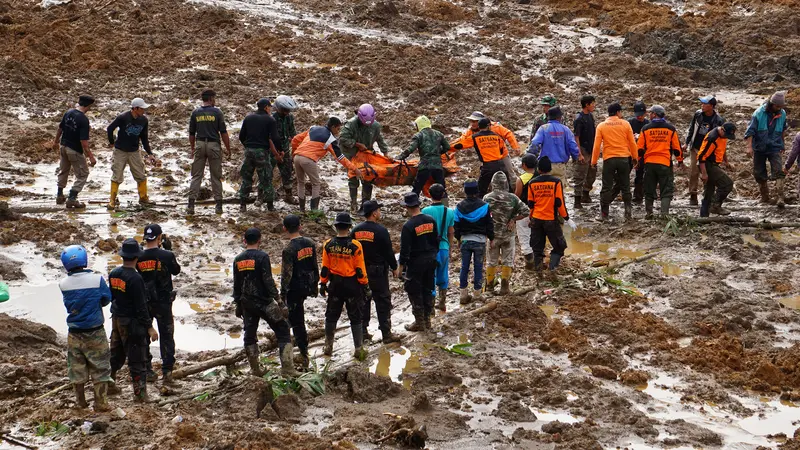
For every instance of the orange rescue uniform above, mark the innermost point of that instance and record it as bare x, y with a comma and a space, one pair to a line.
616, 136
658, 141
303, 145
344, 257
713, 146
546, 198
466, 139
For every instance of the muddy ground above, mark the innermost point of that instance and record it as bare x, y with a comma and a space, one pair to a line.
695, 346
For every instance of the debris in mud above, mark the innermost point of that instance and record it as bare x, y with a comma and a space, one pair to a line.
603, 372
6, 213
10, 270
404, 431
107, 245
364, 387
421, 402
510, 408
634, 377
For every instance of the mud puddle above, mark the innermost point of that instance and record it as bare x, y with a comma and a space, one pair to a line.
584, 247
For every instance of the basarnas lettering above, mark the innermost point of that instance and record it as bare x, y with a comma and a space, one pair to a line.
118, 284
424, 228
247, 264
305, 253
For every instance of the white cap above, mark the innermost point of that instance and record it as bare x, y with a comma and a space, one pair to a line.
139, 103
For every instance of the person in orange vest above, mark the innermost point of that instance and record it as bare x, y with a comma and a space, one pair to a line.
547, 207
491, 151
658, 141
709, 157
508, 137
615, 136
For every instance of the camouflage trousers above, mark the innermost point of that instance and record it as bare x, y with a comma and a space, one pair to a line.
88, 355
256, 161
285, 169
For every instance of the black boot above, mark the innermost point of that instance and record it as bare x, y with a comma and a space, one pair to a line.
302, 203
692, 199
315, 204
529, 262
270, 205
353, 200
252, 358
628, 210
585, 198
665, 203
648, 208
366, 192
358, 342
578, 204
638, 190
243, 206
704, 207
604, 211
330, 331
555, 260
190, 208
218, 208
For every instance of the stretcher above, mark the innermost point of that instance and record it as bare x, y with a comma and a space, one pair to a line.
383, 171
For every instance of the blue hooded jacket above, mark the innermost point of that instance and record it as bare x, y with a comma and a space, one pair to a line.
767, 135
85, 294
473, 217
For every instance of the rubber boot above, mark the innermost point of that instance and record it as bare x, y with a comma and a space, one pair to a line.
648, 208
315, 204
60, 199
166, 378
304, 360
270, 205
418, 324
638, 190
427, 322
578, 204
491, 282
259, 201
704, 208
218, 207
366, 335
555, 260
477, 295
80, 395
140, 394
353, 200
604, 212
665, 202
190, 208
717, 208
779, 184
112, 202
302, 203
152, 377
113, 389
537, 264
529, 261
386, 334
100, 397
586, 198
252, 359
288, 198
505, 280
143, 198
465, 298
358, 342
441, 303
287, 362
366, 192
242, 206
764, 188
693, 200
330, 331
628, 211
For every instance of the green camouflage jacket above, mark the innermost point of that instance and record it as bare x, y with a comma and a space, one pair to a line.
431, 145
354, 131
504, 206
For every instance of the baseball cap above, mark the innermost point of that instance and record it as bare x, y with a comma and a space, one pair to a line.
709, 99
730, 130
130, 249
545, 166
476, 115
614, 108
85, 100
548, 99
369, 207
252, 235
554, 113
658, 110
639, 108
411, 200
152, 232
291, 222
484, 123
139, 103
263, 103
343, 218
471, 187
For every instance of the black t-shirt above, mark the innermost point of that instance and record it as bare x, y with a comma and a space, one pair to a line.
377, 244
637, 124
585, 130
252, 278
131, 130
207, 123
419, 239
128, 295
258, 129
74, 129
300, 271
157, 266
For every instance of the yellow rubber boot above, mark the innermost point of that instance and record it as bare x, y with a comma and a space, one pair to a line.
112, 202
505, 280
143, 199
491, 273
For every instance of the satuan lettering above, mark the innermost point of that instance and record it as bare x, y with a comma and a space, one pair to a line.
148, 266
425, 228
305, 253
247, 264
367, 236
118, 284
206, 118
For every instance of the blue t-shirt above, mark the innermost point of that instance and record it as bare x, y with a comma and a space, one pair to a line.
445, 218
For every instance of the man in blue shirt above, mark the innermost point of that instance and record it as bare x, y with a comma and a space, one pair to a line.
764, 139
444, 218
557, 142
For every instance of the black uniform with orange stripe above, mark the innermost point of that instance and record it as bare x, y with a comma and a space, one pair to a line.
255, 294
343, 268
379, 258
299, 278
130, 321
491, 150
419, 245
157, 266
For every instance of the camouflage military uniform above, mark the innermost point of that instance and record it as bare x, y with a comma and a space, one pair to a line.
354, 132
431, 145
505, 207
88, 354
256, 161
286, 131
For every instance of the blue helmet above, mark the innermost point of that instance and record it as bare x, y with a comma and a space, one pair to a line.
74, 256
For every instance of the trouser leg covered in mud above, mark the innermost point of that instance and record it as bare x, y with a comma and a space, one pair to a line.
585, 175
162, 313
760, 161
271, 313
297, 319
256, 162
70, 159
381, 295
542, 230
352, 299
616, 173
88, 356
285, 169
128, 342
306, 167
658, 175
419, 285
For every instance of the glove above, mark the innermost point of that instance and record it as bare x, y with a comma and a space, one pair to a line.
323, 289
571, 224
367, 293
166, 244
238, 310
274, 311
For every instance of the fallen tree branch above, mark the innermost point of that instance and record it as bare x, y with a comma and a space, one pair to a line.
17, 442
489, 307
54, 391
707, 220
622, 264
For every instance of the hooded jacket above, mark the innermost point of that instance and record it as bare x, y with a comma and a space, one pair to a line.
85, 294
473, 217
767, 130
431, 145
354, 132
505, 206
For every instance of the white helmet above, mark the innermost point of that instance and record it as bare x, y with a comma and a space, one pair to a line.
285, 102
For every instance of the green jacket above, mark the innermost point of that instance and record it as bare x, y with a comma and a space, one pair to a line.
286, 130
354, 132
431, 145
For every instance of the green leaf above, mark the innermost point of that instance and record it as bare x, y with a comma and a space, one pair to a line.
54, 429
202, 397
459, 349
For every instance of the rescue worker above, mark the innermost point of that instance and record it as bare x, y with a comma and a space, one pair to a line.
72, 143
419, 244
547, 208
711, 155
379, 260
793, 155
704, 120
299, 280
255, 297
206, 130
638, 121
85, 293
529, 163
133, 128
557, 142
658, 141
506, 210
344, 269
157, 266
431, 145
308, 148
131, 325
445, 219
508, 137
585, 174
548, 101
284, 107
764, 139
259, 136
491, 151
615, 136
360, 134
473, 227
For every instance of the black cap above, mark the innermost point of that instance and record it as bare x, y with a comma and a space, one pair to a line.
130, 249
614, 108
411, 200
252, 235
85, 100
263, 103
291, 222
545, 166
554, 113
152, 232
369, 207
639, 108
437, 191
484, 123
471, 187
730, 130
343, 218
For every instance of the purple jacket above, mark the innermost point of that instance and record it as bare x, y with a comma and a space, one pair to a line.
794, 153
